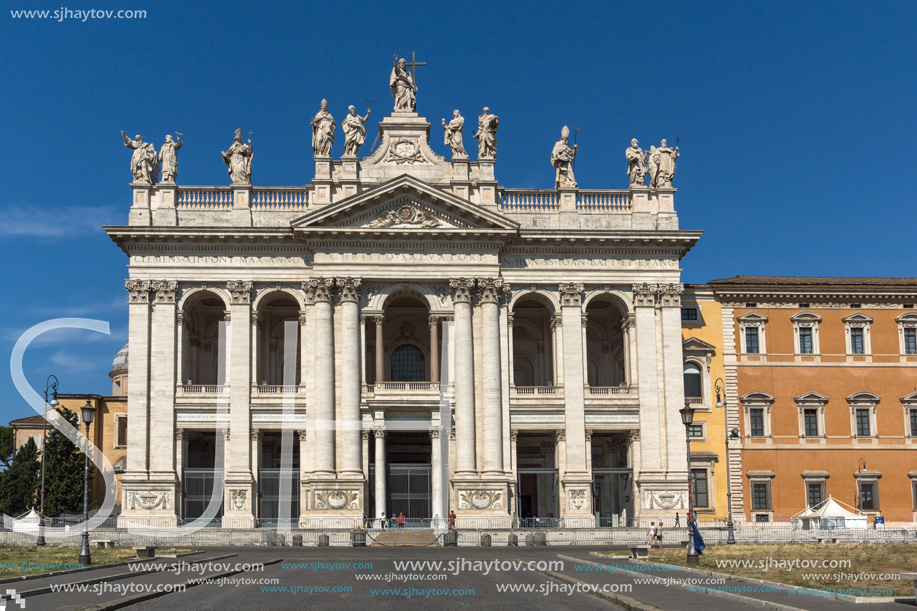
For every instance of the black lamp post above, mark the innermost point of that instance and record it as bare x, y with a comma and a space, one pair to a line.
687, 418
734, 434
85, 559
50, 391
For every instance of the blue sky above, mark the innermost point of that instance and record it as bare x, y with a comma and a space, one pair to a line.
795, 119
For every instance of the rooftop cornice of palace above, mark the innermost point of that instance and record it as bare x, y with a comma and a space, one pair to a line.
817, 297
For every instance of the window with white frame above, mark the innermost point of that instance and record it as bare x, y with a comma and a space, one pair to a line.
868, 490
863, 414
815, 485
757, 412
811, 407
36, 439
692, 375
907, 333
805, 332
910, 414
698, 355
698, 431
856, 333
759, 484
751, 333
700, 489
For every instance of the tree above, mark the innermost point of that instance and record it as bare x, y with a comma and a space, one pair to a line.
7, 451
63, 471
19, 484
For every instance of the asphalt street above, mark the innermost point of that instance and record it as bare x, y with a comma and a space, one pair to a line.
531, 578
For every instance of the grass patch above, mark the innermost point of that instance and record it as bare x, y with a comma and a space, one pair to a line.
19, 561
862, 566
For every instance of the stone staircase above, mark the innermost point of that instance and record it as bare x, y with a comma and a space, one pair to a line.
402, 537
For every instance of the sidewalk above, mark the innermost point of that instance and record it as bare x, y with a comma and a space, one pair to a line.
671, 597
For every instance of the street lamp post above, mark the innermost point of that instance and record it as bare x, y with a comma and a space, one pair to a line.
50, 389
85, 558
734, 434
687, 417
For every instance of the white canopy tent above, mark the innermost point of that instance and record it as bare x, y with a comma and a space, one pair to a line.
831, 514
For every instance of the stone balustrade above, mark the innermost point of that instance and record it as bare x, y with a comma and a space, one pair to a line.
202, 389
281, 198
204, 198
604, 201
528, 200
259, 390
609, 390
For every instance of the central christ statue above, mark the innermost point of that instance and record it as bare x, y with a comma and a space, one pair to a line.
402, 85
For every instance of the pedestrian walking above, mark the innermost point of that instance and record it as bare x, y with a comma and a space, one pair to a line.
677, 520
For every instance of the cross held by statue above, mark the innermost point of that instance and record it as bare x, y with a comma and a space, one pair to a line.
412, 64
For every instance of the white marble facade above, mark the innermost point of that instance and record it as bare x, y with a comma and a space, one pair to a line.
525, 344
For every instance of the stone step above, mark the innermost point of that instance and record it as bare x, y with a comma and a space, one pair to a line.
402, 537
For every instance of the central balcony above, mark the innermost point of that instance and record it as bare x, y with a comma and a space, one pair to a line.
390, 393
611, 396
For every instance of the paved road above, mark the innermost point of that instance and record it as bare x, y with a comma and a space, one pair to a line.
466, 579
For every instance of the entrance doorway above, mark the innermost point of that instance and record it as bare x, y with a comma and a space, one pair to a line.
199, 478
537, 507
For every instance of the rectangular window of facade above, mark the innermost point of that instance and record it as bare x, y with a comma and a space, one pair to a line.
121, 434
811, 422
699, 489
762, 518
910, 341
761, 496
856, 341
751, 340
756, 422
696, 430
862, 419
913, 414
815, 493
689, 313
868, 495
805, 340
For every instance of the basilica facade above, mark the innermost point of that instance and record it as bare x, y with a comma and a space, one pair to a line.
404, 335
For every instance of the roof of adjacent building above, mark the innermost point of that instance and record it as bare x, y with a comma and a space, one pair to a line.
28, 421
813, 281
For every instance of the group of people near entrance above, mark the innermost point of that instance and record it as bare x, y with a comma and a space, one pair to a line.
394, 521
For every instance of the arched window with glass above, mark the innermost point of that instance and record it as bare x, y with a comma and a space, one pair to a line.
408, 364
693, 389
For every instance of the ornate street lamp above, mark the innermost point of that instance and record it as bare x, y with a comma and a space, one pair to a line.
85, 559
687, 418
50, 390
734, 434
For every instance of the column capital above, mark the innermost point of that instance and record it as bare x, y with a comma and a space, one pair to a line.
138, 290
514, 435
302, 318
644, 294
629, 322
560, 435
588, 435
379, 433
303, 435
461, 289
434, 433
633, 435
571, 293
240, 291
318, 289
557, 321
378, 320
254, 317
227, 315
364, 435
510, 320
179, 317
492, 290
256, 434
433, 321
670, 294
350, 288
584, 319
165, 290
179, 434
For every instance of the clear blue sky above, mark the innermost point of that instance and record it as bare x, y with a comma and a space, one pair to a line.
796, 123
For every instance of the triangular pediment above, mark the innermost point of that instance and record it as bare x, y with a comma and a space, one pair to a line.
692, 344
404, 204
811, 397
